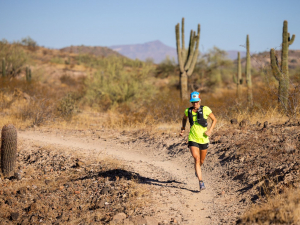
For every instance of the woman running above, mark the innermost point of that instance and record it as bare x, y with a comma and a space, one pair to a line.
198, 136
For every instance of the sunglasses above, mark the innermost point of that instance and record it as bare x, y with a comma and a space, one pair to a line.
194, 102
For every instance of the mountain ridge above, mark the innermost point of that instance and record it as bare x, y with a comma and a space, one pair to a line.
155, 50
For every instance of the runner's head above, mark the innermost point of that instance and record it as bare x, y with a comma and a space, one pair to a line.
195, 96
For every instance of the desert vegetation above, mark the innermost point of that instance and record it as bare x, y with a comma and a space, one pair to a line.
83, 87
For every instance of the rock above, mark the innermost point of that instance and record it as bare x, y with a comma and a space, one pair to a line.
258, 124
234, 121
138, 220
105, 190
118, 218
18, 175
14, 216
79, 163
47, 182
101, 204
244, 123
151, 221
266, 124
127, 222
8, 202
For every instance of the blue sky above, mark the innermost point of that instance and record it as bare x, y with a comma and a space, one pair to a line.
224, 23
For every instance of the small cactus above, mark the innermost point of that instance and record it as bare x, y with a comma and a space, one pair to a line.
8, 149
3, 68
28, 74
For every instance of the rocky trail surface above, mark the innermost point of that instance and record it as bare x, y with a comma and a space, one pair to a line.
163, 163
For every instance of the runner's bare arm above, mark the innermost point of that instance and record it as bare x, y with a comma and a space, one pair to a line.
184, 119
214, 121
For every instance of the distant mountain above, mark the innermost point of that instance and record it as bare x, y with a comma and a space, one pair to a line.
232, 54
95, 50
154, 49
157, 51
262, 59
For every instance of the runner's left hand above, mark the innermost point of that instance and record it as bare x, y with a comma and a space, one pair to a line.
208, 132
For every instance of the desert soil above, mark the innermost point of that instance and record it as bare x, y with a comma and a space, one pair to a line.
165, 164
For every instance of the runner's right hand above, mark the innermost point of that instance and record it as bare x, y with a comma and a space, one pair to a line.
181, 133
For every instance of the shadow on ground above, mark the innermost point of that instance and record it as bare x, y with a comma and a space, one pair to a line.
115, 174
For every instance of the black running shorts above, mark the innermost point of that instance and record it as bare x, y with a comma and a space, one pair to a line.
200, 146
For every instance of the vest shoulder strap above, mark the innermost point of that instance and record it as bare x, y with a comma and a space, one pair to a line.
190, 115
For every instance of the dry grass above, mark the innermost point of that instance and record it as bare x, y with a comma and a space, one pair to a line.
279, 209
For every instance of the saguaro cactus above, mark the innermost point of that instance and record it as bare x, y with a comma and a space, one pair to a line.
239, 77
3, 68
248, 74
186, 59
28, 74
282, 75
8, 149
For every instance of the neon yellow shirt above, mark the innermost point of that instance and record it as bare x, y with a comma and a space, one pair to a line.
197, 131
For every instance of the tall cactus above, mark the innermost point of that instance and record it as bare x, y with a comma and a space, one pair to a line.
248, 74
186, 59
28, 74
8, 149
239, 77
282, 75
3, 68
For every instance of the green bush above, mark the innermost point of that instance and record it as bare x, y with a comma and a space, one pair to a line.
57, 60
15, 58
166, 68
114, 85
67, 106
29, 42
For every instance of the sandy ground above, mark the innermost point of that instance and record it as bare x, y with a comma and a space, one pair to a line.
175, 188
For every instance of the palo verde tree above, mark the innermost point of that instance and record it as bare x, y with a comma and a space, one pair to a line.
186, 58
248, 74
282, 74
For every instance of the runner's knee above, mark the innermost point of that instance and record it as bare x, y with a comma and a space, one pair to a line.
197, 159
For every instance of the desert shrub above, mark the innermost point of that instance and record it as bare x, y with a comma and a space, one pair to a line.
36, 112
113, 85
67, 106
68, 80
166, 68
213, 69
279, 209
57, 60
15, 57
29, 42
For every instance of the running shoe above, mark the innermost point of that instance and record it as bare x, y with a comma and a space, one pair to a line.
202, 186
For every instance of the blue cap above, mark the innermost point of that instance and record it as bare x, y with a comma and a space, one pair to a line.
195, 96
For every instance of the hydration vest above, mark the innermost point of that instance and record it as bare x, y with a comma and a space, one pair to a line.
200, 118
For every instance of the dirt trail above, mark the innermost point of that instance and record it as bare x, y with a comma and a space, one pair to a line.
175, 185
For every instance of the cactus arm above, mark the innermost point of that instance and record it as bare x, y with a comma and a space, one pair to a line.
183, 52
180, 61
195, 56
292, 40
191, 51
274, 66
